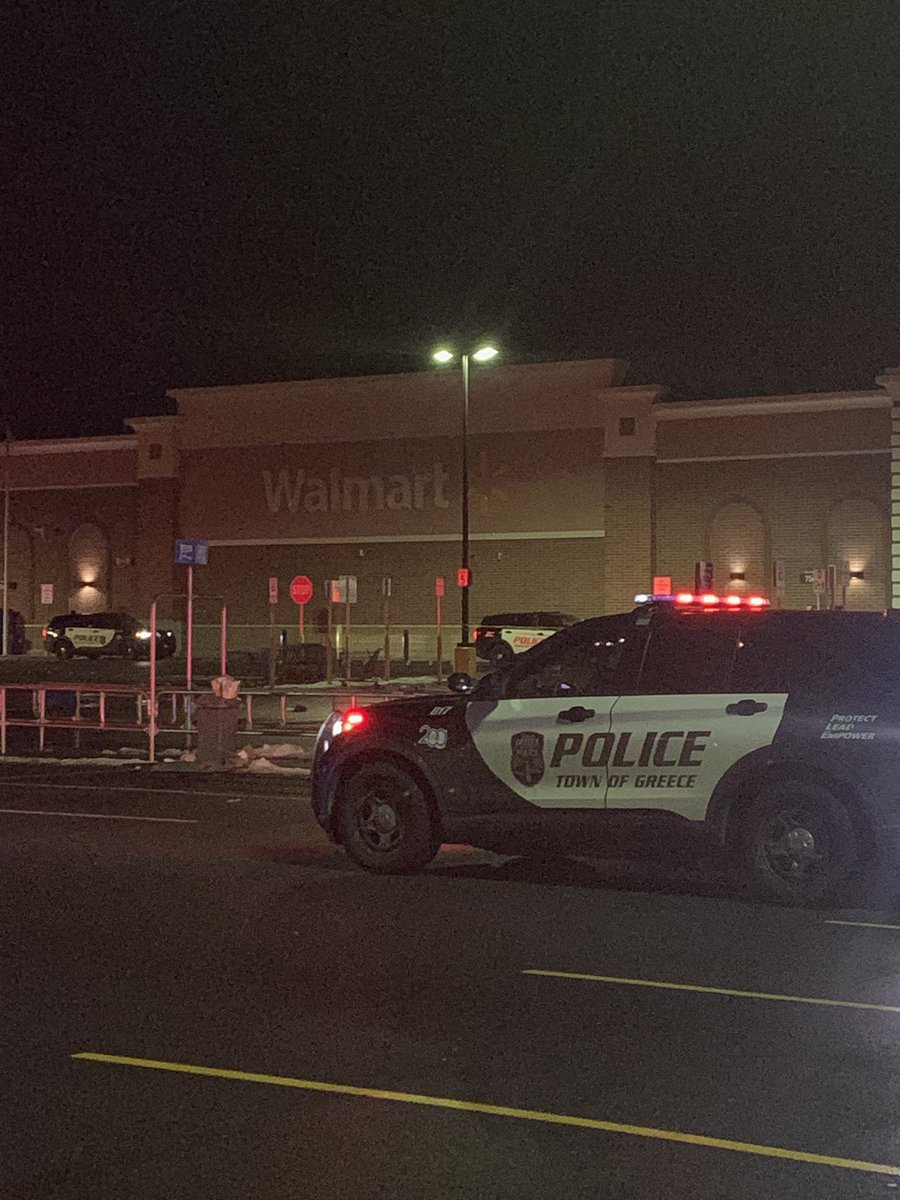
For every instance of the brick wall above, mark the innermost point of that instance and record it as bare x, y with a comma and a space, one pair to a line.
794, 500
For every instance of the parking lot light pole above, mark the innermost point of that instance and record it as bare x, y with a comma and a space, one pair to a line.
5, 645
444, 357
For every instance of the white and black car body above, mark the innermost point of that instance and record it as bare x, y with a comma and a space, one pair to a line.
776, 732
102, 635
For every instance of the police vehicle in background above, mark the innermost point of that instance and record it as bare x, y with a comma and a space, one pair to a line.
101, 635
776, 732
501, 636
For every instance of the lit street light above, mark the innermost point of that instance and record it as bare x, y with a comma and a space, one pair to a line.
444, 356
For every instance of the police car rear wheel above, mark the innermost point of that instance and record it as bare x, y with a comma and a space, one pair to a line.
384, 820
797, 844
63, 648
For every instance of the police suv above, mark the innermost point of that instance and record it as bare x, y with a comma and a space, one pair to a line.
776, 732
98, 635
501, 636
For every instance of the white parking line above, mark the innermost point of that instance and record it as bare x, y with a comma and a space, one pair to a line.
864, 924
39, 812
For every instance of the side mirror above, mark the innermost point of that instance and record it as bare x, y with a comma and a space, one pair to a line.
460, 682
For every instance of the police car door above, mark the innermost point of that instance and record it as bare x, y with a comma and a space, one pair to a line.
683, 728
546, 736
85, 636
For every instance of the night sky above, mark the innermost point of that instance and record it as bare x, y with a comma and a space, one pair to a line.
215, 191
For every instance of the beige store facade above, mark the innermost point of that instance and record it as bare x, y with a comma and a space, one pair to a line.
582, 490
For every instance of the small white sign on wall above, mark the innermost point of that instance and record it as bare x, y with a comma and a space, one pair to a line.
46, 593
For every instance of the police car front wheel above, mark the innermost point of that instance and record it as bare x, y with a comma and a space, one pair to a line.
384, 820
797, 843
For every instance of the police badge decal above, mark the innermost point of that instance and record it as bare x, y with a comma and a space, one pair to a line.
527, 761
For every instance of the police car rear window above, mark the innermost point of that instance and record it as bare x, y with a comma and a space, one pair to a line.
800, 652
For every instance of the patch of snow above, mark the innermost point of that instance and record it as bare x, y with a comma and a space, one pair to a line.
278, 750
263, 766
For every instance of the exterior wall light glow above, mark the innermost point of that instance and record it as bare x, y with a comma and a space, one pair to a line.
738, 575
857, 574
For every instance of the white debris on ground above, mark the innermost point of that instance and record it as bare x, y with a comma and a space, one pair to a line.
265, 766
279, 750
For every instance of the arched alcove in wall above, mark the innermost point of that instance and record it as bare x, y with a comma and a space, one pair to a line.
857, 533
737, 546
89, 569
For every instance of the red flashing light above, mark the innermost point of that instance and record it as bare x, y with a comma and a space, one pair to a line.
709, 600
475, 635
353, 719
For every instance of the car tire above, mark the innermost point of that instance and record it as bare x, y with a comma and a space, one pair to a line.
384, 821
501, 653
64, 648
796, 844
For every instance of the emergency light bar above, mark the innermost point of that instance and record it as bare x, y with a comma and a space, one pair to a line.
703, 600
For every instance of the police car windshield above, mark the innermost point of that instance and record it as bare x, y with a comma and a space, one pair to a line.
528, 666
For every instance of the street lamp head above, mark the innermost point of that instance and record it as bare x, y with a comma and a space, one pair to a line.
485, 353
442, 357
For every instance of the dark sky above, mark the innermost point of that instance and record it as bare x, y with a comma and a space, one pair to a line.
213, 191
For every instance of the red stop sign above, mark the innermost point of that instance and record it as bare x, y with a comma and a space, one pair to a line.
301, 589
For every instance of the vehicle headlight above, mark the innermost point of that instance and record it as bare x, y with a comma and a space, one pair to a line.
143, 635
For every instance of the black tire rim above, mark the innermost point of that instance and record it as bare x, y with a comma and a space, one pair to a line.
795, 849
378, 819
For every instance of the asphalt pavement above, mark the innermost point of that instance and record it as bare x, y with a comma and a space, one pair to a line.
202, 998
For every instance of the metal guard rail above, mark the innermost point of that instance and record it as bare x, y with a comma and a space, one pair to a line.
140, 694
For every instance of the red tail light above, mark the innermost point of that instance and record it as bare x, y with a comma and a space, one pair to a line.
757, 602
709, 600
44, 631
733, 601
475, 635
353, 719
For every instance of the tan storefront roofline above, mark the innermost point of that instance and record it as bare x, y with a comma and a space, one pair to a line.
750, 406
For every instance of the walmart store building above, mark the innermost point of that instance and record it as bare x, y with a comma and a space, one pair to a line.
582, 490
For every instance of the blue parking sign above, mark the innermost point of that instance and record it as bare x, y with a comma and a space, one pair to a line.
190, 552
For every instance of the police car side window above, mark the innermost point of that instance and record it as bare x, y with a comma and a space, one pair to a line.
590, 664
690, 656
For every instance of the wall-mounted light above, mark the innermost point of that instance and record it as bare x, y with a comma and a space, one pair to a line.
737, 575
857, 574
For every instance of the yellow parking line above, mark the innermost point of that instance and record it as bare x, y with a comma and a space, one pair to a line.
498, 1110
713, 991
864, 924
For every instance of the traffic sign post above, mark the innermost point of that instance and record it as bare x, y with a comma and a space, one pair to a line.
190, 552
301, 594
438, 600
386, 598
819, 584
832, 585
347, 586
329, 632
844, 581
703, 576
779, 580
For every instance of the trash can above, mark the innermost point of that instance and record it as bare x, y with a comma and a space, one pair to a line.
217, 729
